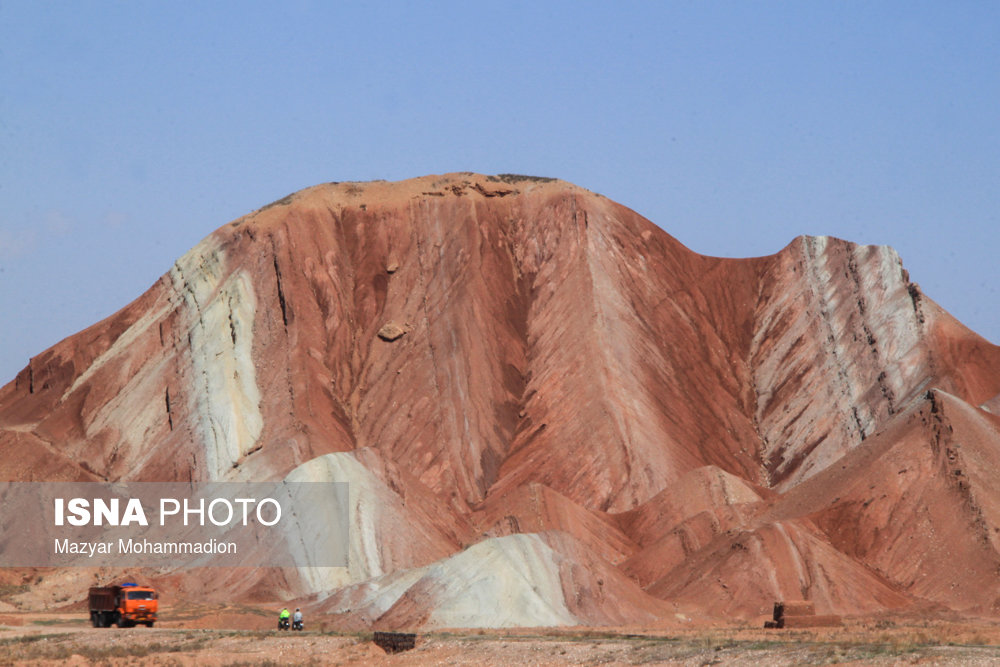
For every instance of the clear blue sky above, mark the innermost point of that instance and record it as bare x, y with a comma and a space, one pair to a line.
131, 130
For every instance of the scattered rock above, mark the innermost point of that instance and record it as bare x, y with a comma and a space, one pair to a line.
391, 331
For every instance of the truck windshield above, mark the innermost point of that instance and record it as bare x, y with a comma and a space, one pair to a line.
141, 595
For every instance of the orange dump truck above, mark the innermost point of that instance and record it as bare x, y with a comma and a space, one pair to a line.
123, 605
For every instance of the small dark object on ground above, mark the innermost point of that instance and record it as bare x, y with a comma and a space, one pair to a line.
394, 642
799, 614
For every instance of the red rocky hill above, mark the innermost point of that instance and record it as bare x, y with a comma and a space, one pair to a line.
549, 410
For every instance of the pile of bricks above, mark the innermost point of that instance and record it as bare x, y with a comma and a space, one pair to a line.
799, 614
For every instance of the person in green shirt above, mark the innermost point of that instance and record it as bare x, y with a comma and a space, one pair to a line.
283, 619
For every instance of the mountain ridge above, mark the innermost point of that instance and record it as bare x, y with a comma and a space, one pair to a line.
557, 364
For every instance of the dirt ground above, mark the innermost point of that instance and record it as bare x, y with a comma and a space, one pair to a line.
244, 636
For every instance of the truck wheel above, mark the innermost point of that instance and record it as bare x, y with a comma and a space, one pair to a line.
150, 624
93, 620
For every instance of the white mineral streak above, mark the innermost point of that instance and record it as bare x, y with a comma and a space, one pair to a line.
137, 409
894, 324
134, 413
223, 388
123, 344
501, 582
855, 350
368, 502
376, 596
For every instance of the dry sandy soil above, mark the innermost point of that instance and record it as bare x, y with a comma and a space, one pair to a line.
241, 636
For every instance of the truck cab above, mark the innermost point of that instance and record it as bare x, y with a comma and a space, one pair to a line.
123, 605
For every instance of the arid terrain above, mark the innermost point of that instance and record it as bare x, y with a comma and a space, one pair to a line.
57, 639
551, 414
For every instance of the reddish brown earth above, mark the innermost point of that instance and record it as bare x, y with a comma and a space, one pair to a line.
61, 639
550, 412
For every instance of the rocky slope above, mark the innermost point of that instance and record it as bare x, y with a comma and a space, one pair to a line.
548, 409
